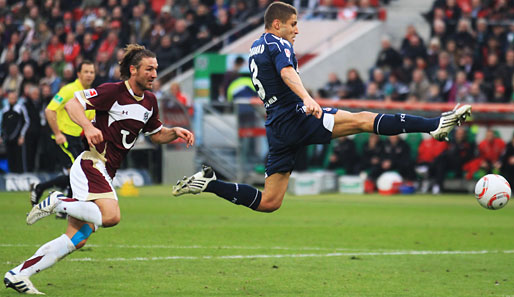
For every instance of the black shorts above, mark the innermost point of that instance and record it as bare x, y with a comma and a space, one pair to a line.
69, 151
286, 137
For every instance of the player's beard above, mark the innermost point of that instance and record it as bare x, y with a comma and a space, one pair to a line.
143, 86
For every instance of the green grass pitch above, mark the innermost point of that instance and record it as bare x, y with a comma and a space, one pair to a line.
325, 245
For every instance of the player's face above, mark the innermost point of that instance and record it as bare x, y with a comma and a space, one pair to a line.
289, 29
86, 75
146, 73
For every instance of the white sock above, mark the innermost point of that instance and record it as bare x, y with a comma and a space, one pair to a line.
46, 256
83, 210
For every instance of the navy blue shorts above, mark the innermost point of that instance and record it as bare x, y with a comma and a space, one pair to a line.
286, 137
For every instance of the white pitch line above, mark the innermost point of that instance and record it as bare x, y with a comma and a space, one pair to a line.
197, 247
394, 253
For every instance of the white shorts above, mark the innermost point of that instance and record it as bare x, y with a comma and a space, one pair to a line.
89, 179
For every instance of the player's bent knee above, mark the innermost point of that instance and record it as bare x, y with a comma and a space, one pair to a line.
111, 220
269, 205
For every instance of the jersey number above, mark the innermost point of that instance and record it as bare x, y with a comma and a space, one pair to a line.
256, 81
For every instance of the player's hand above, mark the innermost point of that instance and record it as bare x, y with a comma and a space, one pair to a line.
21, 140
186, 135
93, 135
312, 107
60, 139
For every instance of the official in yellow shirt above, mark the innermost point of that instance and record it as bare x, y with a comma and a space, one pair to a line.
65, 132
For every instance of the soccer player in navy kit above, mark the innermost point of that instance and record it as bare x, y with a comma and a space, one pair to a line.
294, 119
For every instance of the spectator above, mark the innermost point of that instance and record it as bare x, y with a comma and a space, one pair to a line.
34, 111
13, 129
53, 47
482, 32
428, 150
88, 47
411, 31
464, 35
396, 157
344, 156
434, 48
71, 49
415, 48
167, 52
373, 92
475, 94
181, 37
108, 46
223, 23
439, 32
444, 63
26, 59
419, 85
434, 94
29, 76
404, 72
366, 12
444, 82
372, 153
4, 66
354, 85
489, 151
139, 22
394, 89
507, 162
460, 88
13, 80
506, 70
332, 87
460, 151
388, 58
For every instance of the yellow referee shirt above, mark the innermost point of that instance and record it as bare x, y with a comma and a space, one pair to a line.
66, 125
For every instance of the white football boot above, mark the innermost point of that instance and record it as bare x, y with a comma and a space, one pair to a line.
20, 283
196, 183
45, 207
449, 120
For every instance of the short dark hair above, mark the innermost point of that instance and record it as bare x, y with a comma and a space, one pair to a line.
85, 62
278, 10
133, 55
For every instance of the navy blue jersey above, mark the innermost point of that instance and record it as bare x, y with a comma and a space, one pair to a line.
268, 55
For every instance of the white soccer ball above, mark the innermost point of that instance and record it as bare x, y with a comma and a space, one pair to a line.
492, 191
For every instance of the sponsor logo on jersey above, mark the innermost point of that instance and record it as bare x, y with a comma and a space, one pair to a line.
90, 93
288, 53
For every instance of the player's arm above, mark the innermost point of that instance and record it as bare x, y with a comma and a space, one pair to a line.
167, 135
76, 112
293, 81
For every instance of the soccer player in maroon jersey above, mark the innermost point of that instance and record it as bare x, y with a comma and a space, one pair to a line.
123, 110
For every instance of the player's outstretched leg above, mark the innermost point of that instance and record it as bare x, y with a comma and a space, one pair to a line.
205, 181
439, 128
449, 120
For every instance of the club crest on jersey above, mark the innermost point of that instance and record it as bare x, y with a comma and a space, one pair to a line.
90, 93
145, 116
288, 52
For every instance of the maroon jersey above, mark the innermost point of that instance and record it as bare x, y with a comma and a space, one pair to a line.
121, 116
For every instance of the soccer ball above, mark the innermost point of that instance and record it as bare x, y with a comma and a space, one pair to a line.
492, 191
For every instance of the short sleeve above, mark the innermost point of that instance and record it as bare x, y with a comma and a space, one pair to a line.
154, 124
100, 98
281, 53
60, 99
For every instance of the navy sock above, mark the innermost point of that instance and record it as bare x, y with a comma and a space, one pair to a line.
389, 124
239, 194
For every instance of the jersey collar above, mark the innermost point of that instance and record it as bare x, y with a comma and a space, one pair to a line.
138, 98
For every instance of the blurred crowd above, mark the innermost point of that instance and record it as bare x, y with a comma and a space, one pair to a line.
42, 43
468, 58
424, 162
